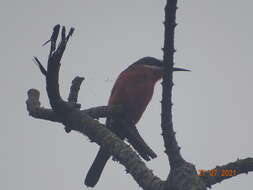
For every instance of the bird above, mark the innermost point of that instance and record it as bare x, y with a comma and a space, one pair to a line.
133, 89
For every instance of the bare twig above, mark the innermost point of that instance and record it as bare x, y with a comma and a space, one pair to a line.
38, 63
74, 89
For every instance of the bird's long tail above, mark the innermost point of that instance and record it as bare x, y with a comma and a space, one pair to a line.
96, 168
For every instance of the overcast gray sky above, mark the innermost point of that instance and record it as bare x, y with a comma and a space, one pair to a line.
212, 104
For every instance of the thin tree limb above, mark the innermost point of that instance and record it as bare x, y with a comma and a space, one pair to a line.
171, 146
36, 111
74, 90
183, 175
232, 169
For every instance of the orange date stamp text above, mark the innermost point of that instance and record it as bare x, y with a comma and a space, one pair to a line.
216, 172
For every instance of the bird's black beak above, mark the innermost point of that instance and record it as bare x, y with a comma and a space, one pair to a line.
180, 69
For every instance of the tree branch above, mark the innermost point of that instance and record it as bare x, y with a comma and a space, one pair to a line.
70, 115
74, 90
183, 175
171, 147
232, 169
104, 111
36, 111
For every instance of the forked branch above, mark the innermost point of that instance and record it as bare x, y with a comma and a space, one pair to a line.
68, 113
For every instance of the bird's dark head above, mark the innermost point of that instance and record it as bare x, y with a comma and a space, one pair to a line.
148, 62
153, 65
